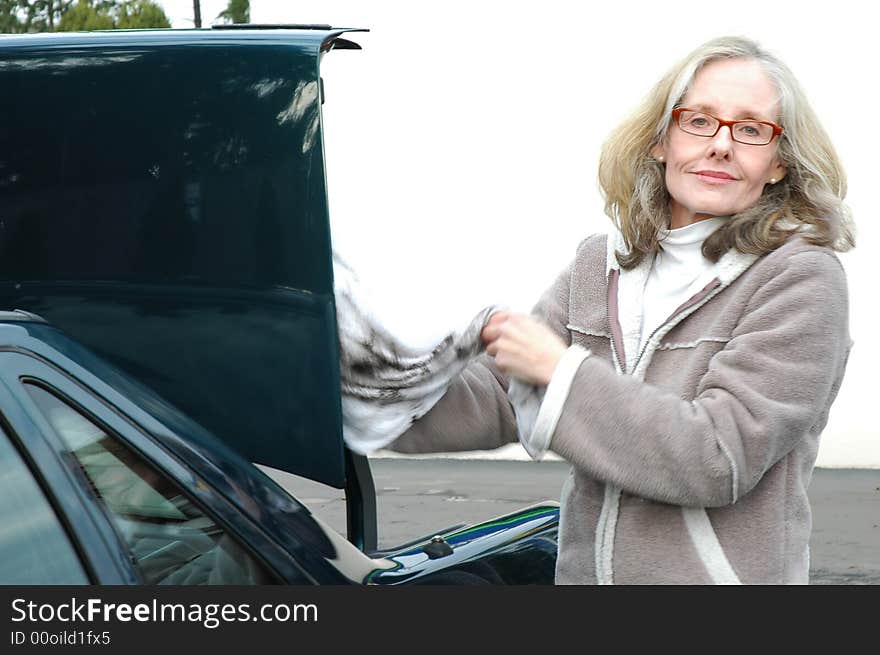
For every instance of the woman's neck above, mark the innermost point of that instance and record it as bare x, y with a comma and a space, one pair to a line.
684, 219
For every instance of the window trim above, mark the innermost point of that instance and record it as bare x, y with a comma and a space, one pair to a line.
11, 435
82, 483
41, 362
54, 480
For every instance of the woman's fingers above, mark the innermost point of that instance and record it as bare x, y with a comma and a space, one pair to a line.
492, 329
523, 347
505, 324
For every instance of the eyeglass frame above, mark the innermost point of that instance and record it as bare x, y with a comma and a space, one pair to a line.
676, 113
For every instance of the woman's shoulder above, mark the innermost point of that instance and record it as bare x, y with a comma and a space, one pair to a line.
593, 248
799, 269
798, 254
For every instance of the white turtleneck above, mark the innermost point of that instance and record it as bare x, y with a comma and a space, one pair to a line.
678, 272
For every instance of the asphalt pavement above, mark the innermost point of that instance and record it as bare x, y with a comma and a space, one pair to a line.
417, 497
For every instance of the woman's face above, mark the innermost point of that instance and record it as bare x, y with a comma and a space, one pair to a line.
717, 176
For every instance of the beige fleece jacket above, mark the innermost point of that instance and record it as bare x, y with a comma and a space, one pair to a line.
691, 459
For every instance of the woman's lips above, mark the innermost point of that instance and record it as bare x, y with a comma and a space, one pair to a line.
714, 177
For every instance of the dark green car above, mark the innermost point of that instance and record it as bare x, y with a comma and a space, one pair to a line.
167, 318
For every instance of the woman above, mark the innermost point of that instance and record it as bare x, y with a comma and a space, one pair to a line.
685, 364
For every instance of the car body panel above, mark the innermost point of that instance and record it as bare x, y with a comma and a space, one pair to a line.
237, 494
518, 548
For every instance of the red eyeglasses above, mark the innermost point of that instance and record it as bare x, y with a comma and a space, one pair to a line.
751, 132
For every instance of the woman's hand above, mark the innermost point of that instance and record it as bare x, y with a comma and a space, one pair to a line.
523, 347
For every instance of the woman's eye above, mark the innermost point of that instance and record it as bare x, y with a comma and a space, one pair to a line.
699, 121
749, 129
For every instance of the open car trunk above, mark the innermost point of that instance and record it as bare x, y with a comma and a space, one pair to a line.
191, 248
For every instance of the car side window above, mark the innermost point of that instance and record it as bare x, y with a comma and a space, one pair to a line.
171, 540
34, 548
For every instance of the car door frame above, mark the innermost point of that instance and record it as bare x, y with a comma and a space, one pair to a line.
90, 534
105, 556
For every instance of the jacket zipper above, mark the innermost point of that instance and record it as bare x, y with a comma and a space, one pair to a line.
612, 494
694, 300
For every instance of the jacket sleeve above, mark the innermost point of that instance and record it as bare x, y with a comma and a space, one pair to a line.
475, 412
767, 389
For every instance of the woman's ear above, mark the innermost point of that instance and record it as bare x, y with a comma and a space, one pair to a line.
779, 171
658, 153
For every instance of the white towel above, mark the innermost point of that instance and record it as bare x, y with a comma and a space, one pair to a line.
387, 385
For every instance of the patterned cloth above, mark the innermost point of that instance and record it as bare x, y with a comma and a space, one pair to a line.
386, 385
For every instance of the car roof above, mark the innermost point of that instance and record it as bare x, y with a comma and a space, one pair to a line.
294, 34
164, 203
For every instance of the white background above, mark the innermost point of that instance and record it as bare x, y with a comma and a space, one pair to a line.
462, 145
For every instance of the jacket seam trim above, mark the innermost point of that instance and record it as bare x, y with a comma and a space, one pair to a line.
734, 473
709, 550
587, 332
785, 526
605, 533
692, 344
731, 462
653, 343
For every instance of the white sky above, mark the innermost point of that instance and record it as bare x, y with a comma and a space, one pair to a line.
462, 144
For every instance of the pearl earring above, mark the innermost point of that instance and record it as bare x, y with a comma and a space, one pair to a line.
772, 180
660, 159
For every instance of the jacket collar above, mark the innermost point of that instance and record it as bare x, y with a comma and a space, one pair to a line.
626, 288
731, 265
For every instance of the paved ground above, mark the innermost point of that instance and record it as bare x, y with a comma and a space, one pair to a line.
415, 497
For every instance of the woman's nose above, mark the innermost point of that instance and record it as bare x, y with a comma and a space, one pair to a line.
721, 144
